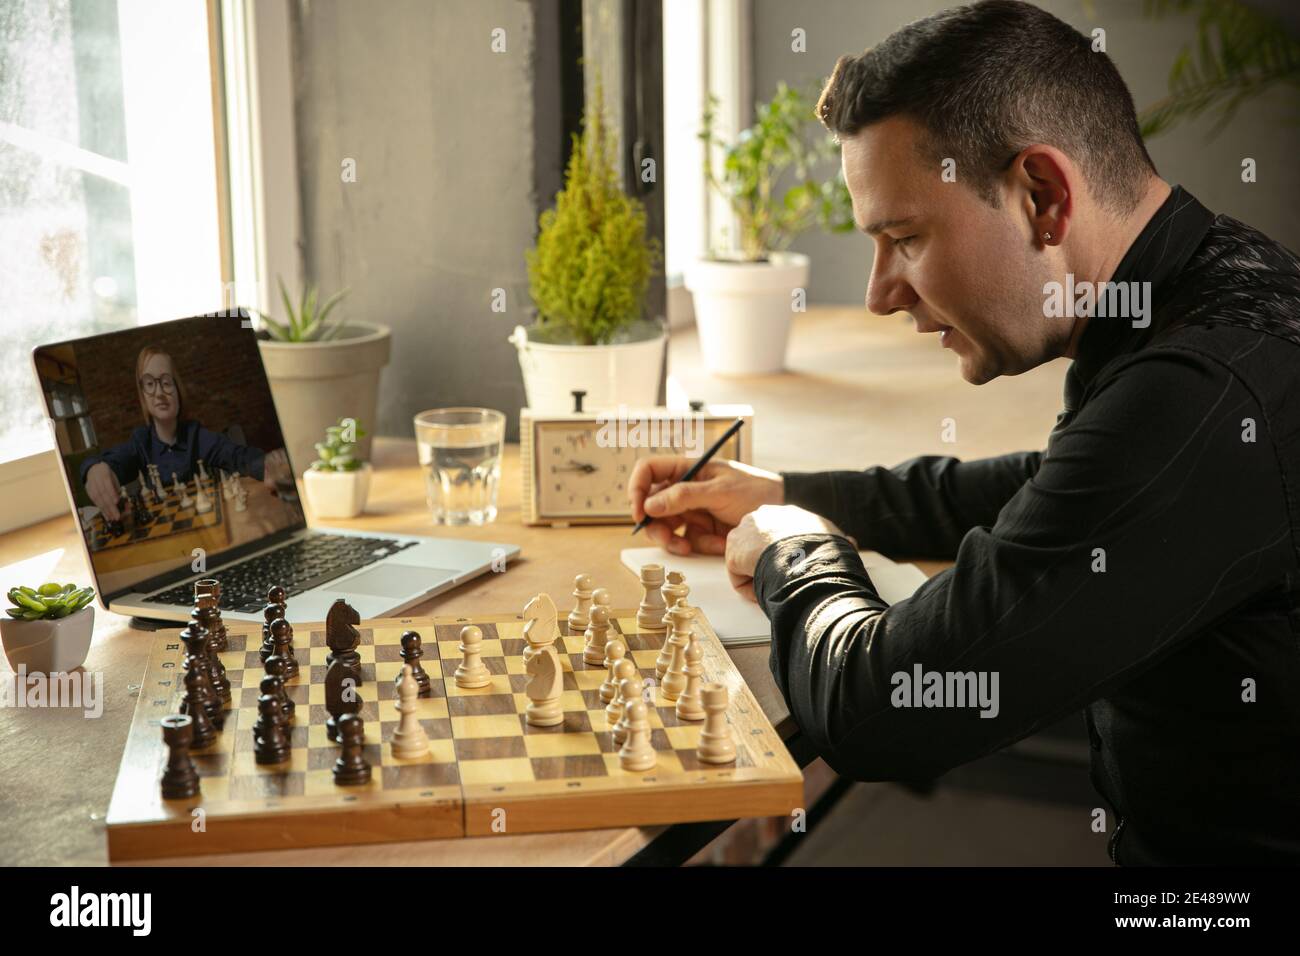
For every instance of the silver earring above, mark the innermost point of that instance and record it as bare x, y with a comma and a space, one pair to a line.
1047, 237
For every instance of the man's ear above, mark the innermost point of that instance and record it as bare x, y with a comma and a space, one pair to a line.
1046, 179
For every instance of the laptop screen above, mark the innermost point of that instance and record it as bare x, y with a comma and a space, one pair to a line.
171, 445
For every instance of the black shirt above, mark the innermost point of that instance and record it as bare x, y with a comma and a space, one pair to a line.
1145, 567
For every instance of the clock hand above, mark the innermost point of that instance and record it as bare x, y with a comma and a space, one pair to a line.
586, 469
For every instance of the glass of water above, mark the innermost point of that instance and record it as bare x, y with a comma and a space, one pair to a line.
460, 454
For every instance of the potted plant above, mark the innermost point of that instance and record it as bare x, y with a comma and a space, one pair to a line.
48, 629
744, 297
338, 481
321, 370
588, 274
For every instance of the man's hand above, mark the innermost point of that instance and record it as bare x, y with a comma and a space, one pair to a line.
104, 491
709, 505
769, 523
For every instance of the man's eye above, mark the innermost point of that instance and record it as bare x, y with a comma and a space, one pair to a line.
904, 240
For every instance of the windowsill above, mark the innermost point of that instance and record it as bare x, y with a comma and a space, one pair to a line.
31, 490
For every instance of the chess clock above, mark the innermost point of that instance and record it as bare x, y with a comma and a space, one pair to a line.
575, 465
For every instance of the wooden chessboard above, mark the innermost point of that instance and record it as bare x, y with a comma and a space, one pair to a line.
489, 770
171, 532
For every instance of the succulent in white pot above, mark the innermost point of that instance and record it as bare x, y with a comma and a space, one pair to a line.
338, 482
744, 298
48, 629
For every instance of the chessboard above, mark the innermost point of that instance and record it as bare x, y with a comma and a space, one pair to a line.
169, 531
488, 771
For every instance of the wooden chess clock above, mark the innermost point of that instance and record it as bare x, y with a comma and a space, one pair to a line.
575, 465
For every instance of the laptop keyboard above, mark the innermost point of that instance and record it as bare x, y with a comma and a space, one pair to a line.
300, 566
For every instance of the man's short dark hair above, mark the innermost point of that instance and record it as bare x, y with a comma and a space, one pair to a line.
985, 81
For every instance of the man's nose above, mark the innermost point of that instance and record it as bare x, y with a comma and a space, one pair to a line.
887, 292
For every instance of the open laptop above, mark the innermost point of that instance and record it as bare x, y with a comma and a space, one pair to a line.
133, 414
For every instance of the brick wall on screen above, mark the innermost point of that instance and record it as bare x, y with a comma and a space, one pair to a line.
216, 359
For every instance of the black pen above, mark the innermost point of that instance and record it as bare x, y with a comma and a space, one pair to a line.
694, 469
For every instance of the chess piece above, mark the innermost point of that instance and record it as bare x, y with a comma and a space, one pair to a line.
180, 779
145, 491
241, 498
594, 651
159, 491
207, 594
716, 745
351, 769
270, 732
544, 687
409, 739
202, 503
690, 704
193, 705
630, 690
342, 636
275, 608
182, 490
274, 685
412, 651
341, 697
203, 473
674, 592
679, 633
674, 676
624, 672
582, 588
601, 597
282, 646
472, 672
615, 651
541, 625
637, 755
215, 689
227, 488
650, 615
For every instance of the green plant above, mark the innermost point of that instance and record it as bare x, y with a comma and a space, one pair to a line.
1240, 53
592, 262
307, 322
48, 602
338, 451
786, 137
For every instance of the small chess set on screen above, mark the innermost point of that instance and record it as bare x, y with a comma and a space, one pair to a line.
353, 731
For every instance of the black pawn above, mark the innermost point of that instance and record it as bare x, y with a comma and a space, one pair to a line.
193, 704
352, 769
282, 643
341, 697
180, 779
412, 651
272, 612
273, 685
271, 741
199, 689
200, 619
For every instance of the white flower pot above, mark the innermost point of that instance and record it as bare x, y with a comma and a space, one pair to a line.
49, 646
337, 494
743, 311
317, 383
624, 372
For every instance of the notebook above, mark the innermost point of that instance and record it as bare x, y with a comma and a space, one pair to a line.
737, 621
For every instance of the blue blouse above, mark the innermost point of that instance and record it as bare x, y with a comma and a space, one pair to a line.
193, 442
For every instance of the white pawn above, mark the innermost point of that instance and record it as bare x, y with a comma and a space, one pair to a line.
637, 755
203, 472
615, 651
674, 592
690, 705
582, 588
202, 503
241, 497
650, 615
182, 490
472, 672
409, 739
600, 598
716, 745
629, 689
594, 651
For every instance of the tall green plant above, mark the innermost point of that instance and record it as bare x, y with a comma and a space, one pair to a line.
307, 322
591, 266
786, 138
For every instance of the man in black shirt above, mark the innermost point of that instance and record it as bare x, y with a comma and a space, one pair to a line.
1146, 566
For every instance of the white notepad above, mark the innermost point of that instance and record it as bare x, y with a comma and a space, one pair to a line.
738, 621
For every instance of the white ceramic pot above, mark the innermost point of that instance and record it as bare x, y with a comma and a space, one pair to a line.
624, 372
743, 311
49, 647
337, 494
317, 383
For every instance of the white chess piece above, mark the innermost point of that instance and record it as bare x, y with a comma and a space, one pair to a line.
183, 490
541, 624
690, 705
674, 592
202, 503
582, 588
472, 672
716, 745
650, 615
629, 690
601, 596
637, 755
241, 498
615, 651
673, 679
544, 687
593, 652
409, 739
203, 473
624, 672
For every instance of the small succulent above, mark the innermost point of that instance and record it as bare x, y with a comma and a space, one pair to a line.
339, 450
47, 602
306, 323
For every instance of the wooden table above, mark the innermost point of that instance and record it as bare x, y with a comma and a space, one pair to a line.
861, 390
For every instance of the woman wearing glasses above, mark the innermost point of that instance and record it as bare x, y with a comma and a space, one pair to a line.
170, 441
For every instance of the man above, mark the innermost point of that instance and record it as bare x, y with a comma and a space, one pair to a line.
1146, 565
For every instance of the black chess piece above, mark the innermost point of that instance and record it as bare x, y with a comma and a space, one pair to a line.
207, 659
275, 608
195, 639
143, 516
352, 769
180, 779
341, 696
282, 644
193, 704
412, 651
342, 636
271, 739
207, 594
274, 685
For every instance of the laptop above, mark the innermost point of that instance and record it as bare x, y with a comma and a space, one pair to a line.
177, 470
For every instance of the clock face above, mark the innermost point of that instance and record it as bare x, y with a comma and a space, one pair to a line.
578, 476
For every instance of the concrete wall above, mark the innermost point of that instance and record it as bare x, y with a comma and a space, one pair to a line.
1143, 49
456, 154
